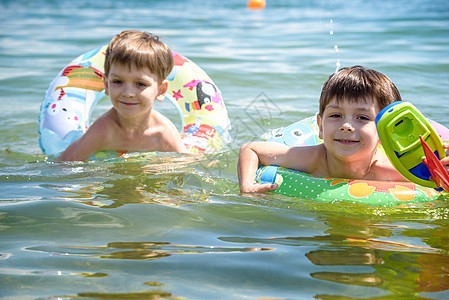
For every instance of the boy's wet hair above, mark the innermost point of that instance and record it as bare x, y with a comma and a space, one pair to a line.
356, 84
141, 49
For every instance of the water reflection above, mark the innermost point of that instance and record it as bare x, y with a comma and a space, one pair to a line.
399, 273
138, 250
166, 180
403, 269
48, 272
151, 294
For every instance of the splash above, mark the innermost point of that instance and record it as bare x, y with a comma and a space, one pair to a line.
336, 49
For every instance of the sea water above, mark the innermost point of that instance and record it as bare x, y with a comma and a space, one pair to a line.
174, 227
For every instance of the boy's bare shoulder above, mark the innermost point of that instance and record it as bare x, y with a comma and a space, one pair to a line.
105, 127
166, 132
159, 120
163, 126
96, 138
384, 170
308, 159
105, 121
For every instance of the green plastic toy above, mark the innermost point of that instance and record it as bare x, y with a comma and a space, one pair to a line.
400, 126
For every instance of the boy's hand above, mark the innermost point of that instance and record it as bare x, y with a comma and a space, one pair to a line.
445, 161
258, 188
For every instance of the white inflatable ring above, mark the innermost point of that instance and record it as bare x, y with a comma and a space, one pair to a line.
72, 95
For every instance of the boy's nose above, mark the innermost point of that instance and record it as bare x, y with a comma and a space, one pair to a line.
346, 127
128, 91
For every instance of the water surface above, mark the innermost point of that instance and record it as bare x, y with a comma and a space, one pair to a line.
176, 227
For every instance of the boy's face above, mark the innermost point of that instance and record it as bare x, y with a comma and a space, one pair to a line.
133, 91
348, 129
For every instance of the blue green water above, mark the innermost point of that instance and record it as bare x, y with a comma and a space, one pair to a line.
177, 228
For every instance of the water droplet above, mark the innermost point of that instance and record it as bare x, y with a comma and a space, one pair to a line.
338, 65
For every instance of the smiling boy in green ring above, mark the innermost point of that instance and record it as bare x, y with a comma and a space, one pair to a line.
349, 103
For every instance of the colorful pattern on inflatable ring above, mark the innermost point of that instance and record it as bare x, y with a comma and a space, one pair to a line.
72, 95
301, 185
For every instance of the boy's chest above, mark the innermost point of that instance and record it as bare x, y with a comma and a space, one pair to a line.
141, 142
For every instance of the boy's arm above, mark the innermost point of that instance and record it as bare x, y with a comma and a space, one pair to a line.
79, 150
259, 153
169, 137
445, 161
84, 147
174, 143
180, 147
173, 140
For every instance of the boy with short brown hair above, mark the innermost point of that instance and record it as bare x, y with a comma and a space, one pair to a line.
136, 66
349, 103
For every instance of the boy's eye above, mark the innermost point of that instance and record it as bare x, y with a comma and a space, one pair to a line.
334, 115
366, 118
116, 81
142, 84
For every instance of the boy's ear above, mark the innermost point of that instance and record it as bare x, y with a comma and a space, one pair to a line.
320, 126
162, 90
106, 87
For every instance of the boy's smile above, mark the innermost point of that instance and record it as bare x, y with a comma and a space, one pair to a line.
348, 129
346, 141
127, 103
